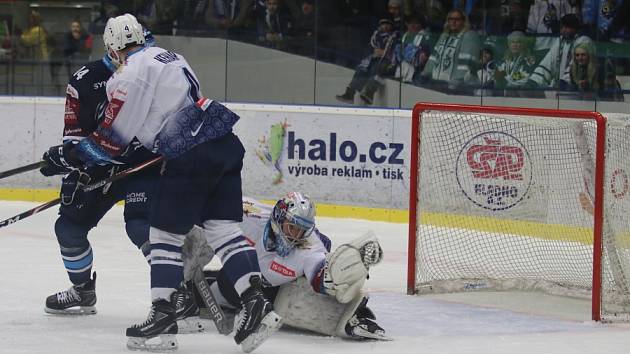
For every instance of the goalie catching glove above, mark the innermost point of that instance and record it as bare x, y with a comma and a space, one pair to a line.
346, 268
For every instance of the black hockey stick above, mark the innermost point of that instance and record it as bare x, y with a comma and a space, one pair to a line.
224, 325
18, 170
121, 174
30, 212
89, 187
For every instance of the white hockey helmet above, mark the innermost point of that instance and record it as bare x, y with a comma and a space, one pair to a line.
122, 32
292, 221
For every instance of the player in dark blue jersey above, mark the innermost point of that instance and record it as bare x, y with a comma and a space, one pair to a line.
79, 212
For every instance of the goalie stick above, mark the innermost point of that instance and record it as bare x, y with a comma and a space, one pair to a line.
196, 253
224, 325
88, 188
18, 170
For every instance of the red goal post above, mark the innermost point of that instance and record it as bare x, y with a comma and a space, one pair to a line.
516, 121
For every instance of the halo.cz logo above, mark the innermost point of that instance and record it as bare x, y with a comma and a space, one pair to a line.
494, 170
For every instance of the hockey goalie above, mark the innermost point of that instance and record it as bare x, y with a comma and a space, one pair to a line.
312, 288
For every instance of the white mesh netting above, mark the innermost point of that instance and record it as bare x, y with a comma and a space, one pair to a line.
498, 206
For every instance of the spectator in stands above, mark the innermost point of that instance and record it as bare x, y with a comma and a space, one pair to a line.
272, 25
620, 23
35, 38
77, 42
454, 60
367, 76
598, 16
434, 11
511, 15
158, 15
544, 21
77, 46
229, 16
394, 8
474, 11
414, 50
303, 30
486, 72
553, 71
512, 74
106, 11
592, 79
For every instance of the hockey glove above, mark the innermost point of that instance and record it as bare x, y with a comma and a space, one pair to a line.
71, 187
347, 267
57, 160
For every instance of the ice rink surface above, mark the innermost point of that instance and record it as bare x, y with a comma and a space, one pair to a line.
31, 269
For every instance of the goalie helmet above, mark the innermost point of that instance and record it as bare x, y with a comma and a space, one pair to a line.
292, 221
121, 32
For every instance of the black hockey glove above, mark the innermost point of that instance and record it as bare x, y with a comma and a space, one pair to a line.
58, 160
71, 185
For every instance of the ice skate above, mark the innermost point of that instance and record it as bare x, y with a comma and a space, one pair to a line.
346, 97
77, 300
362, 325
362, 328
187, 312
257, 321
160, 323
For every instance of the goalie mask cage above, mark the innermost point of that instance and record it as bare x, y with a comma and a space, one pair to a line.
495, 203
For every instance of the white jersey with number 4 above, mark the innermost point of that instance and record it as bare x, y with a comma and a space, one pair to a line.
307, 261
144, 93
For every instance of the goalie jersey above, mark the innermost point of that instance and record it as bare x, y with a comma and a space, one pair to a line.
308, 260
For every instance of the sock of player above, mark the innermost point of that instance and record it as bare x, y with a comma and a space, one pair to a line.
76, 252
78, 263
239, 262
167, 266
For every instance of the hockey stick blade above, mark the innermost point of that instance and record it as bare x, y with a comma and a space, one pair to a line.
89, 187
224, 325
18, 170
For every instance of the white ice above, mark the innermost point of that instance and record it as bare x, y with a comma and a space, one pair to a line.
31, 269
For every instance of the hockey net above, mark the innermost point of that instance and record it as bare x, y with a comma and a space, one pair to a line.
495, 203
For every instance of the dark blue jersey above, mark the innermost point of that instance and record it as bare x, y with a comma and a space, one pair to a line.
86, 99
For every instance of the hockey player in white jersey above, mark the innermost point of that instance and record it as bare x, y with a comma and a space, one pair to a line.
313, 288
155, 97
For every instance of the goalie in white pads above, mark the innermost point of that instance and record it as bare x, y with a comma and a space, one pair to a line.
312, 289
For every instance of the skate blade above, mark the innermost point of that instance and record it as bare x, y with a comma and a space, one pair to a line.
168, 343
73, 311
194, 324
366, 335
268, 326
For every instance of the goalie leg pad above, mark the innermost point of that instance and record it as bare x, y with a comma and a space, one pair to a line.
302, 308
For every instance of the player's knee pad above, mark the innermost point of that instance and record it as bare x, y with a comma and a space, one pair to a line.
71, 234
138, 231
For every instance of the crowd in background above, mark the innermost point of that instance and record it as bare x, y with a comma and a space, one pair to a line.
473, 47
